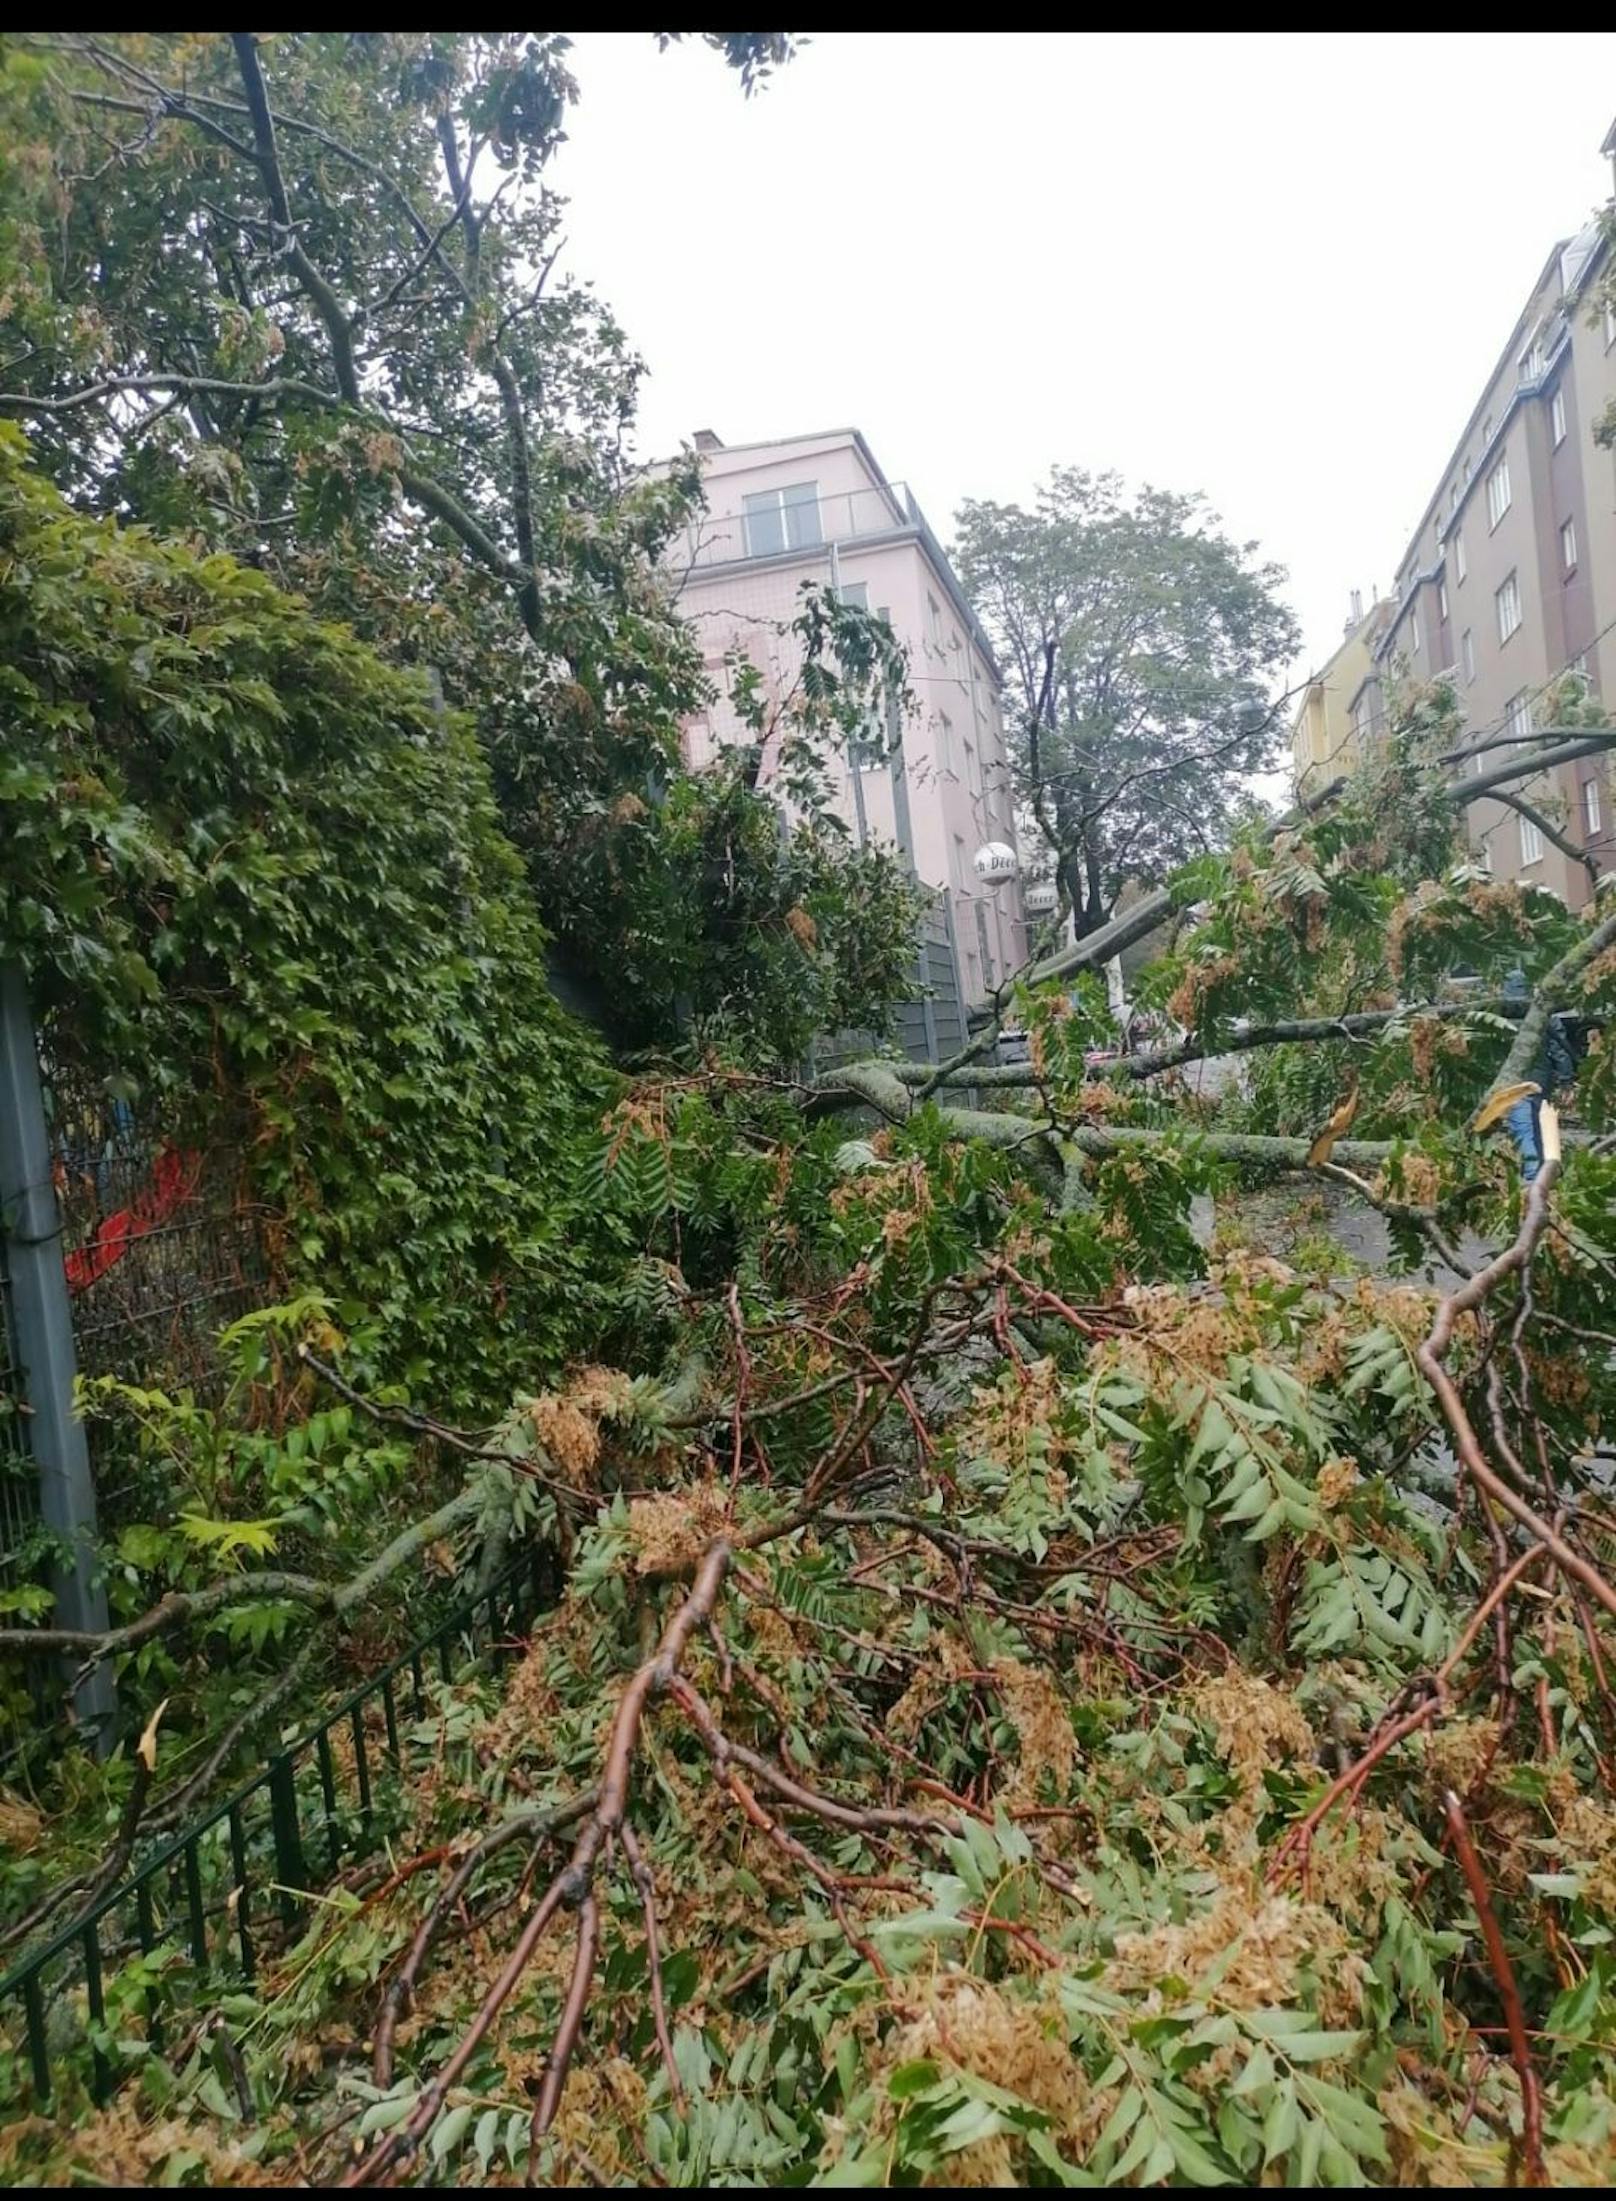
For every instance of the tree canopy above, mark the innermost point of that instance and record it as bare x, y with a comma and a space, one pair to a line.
1141, 644
296, 297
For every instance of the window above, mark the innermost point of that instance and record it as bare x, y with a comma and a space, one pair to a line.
1485, 852
1518, 717
1531, 842
1487, 431
934, 621
1557, 417
1508, 600
1442, 601
973, 777
959, 861
1413, 634
945, 742
1498, 493
1591, 819
1453, 496
782, 519
1467, 653
1568, 546
1610, 326
856, 593
1460, 564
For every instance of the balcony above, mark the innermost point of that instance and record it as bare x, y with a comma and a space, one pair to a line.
790, 523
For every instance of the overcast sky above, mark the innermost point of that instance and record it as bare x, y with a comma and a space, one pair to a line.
1275, 269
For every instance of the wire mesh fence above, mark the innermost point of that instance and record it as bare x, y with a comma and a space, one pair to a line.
161, 1242
128, 1238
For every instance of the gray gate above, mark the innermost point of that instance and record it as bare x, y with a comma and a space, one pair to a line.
930, 1026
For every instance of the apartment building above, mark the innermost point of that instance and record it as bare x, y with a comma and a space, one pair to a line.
1324, 741
819, 507
1510, 578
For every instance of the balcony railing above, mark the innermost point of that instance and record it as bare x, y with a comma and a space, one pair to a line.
780, 528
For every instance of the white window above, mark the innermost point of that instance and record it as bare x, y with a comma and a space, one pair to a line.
1518, 717
1453, 496
1460, 565
934, 621
856, 593
1487, 431
1442, 600
1508, 600
1413, 634
1485, 852
1568, 546
1467, 652
1531, 842
1591, 820
1557, 417
782, 519
1498, 493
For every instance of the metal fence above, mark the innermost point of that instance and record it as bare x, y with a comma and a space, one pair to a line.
202, 1910
930, 1026
161, 1244
126, 1243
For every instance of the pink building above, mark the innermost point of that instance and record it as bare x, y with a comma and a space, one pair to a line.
819, 507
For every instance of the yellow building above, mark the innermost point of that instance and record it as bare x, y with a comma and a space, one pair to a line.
1330, 729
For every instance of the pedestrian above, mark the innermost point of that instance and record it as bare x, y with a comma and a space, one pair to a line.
1565, 1042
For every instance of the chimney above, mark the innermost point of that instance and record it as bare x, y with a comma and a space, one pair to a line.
1356, 621
707, 442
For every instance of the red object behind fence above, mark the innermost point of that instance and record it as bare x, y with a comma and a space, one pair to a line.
173, 1180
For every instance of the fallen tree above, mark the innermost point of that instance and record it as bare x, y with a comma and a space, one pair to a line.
1014, 1713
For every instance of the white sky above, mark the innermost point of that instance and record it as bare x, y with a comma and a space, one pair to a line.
1273, 268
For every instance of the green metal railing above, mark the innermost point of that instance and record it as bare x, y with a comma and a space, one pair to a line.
195, 1909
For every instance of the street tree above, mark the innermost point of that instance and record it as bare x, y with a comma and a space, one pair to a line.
1142, 644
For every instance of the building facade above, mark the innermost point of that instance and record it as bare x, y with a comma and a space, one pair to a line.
1510, 579
818, 507
1324, 741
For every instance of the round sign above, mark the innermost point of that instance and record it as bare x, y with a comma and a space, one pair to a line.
995, 861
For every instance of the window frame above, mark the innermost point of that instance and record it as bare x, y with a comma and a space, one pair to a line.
1531, 839
1499, 473
1568, 544
777, 505
1593, 811
1510, 585
1557, 417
